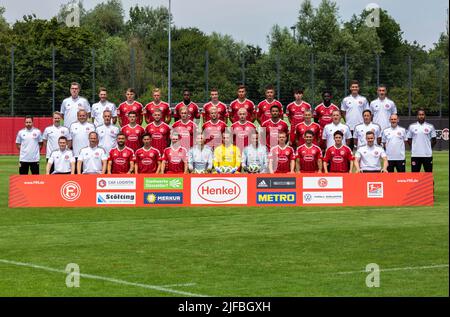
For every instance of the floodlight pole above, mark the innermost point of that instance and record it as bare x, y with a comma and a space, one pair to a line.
169, 75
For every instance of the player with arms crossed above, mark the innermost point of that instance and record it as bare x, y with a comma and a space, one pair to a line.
200, 157
99, 108
157, 104
29, 144
309, 155
255, 156
282, 156
338, 157
147, 157
394, 139
121, 158
242, 103
174, 159
61, 161
92, 159
367, 157
222, 111
129, 105
263, 111
70, 106
192, 108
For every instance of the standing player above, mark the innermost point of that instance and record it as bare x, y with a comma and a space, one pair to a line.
297, 139
255, 155
323, 112
242, 129
200, 157
222, 111
227, 155
422, 138
121, 158
338, 157
127, 106
52, 134
295, 111
274, 126
213, 129
242, 103
29, 144
186, 128
263, 111
107, 132
336, 125
382, 108
147, 158
394, 139
61, 161
159, 131
174, 159
282, 157
79, 133
309, 155
70, 106
133, 132
360, 131
157, 104
92, 159
352, 108
193, 110
367, 157
99, 108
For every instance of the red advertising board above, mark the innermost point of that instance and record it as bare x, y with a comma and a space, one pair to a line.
395, 189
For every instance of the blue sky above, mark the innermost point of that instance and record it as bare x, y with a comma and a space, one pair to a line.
251, 20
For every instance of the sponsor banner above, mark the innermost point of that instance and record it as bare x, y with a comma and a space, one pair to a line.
114, 183
323, 197
276, 182
375, 190
215, 191
116, 198
323, 183
159, 198
276, 198
163, 183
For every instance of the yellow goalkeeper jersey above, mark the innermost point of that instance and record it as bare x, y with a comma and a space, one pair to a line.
227, 156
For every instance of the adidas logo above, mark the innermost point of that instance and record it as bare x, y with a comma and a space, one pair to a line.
263, 184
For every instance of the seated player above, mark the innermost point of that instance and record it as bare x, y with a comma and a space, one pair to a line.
254, 156
227, 157
200, 157
174, 159
282, 157
309, 155
147, 157
62, 160
338, 157
92, 159
121, 158
133, 132
367, 157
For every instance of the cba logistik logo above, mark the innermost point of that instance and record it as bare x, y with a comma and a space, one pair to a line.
276, 198
163, 198
163, 183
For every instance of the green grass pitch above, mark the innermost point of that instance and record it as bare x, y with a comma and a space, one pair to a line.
267, 251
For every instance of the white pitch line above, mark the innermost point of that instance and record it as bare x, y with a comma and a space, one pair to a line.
439, 266
108, 279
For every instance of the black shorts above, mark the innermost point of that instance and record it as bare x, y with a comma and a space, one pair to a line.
417, 162
24, 167
61, 173
370, 171
399, 165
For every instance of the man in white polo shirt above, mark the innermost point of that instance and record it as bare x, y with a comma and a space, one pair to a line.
107, 133
61, 161
359, 134
352, 108
52, 134
92, 159
394, 139
368, 157
336, 125
70, 106
99, 108
422, 138
29, 143
382, 108
79, 132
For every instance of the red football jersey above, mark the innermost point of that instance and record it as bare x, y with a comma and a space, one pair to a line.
300, 130
263, 110
222, 111
186, 130
338, 159
322, 114
133, 135
160, 135
309, 157
295, 113
147, 160
281, 158
236, 105
241, 133
124, 108
174, 160
121, 160
213, 133
193, 110
150, 108
272, 129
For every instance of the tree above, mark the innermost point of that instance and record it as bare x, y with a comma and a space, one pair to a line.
106, 17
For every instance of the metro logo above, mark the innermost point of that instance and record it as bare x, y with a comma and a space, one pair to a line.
276, 198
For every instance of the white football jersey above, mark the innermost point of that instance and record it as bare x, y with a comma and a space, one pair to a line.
329, 129
29, 144
97, 111
52, 134
394, 141
107, 137
80, 135
61, 161
354, 107
92, 159
370, 157
382, 111
361, 129
70, 107
421, 135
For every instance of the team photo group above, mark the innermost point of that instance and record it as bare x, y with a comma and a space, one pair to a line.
356, 136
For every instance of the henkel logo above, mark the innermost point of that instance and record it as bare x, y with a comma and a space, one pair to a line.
70, 191
218, 190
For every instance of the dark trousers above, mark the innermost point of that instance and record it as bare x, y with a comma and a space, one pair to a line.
370, 171
399, 165
417, 162
26, 166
